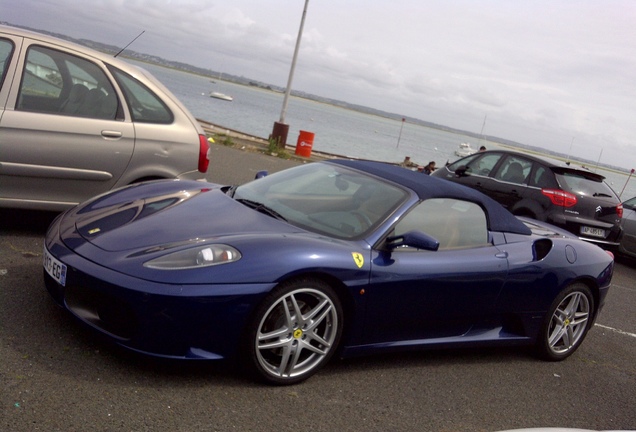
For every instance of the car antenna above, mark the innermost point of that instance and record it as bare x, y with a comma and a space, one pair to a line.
138, 36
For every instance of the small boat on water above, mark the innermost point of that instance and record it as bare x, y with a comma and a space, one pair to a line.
221, 96
464, 149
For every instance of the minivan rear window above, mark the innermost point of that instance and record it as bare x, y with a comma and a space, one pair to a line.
145, 106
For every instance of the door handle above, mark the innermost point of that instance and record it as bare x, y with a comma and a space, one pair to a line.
502, 255
111, 134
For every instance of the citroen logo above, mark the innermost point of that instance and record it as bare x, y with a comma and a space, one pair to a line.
598, 209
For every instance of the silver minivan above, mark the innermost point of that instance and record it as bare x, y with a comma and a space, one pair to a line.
75, 122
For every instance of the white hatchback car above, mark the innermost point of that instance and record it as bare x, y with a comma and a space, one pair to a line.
75, 122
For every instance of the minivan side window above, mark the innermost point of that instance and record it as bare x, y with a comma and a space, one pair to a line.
6, 48
456, 224
55, 82
145, 105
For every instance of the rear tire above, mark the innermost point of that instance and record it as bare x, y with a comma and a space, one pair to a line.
567, 322
294, 332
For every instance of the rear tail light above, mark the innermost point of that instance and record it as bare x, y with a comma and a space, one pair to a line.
559, 197
204, 158
619, 210
611, 254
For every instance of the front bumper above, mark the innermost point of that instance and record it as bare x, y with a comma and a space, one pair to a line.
163, 320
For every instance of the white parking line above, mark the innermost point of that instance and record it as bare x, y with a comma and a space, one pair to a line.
616, 330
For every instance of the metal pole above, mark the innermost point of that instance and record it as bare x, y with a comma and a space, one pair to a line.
599, 161
400, 136
293, 65
280, 130
630, 176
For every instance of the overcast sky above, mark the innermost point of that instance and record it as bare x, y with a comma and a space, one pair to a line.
554, 74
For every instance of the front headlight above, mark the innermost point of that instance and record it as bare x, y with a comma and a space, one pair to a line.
202, 256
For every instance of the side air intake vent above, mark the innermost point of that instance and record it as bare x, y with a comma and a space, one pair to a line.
541, 249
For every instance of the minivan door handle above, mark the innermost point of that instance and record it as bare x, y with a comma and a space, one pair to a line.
111, 134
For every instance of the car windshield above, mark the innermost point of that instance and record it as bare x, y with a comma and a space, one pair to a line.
324, 198
630, 203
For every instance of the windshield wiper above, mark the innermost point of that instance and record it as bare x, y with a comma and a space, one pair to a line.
601, 194
230, 190
260, 207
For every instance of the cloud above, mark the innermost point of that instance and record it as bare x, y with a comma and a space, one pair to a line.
543, 71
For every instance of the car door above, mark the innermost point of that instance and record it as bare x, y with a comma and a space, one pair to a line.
416, 294
7, 48
510, 181
473, 171
628, 242
63, 136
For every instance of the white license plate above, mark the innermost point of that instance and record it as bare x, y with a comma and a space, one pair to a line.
594, 232
54, 268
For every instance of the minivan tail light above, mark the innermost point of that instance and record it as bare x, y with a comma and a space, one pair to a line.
559, 197
204, 157
619, 210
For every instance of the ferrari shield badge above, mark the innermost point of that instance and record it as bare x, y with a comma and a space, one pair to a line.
358, 259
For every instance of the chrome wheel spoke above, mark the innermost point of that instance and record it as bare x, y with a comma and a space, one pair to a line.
316, 349
573, 304
324, 307
556, 335
275, 339
284, 361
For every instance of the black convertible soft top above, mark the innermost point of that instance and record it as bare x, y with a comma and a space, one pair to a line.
425, 187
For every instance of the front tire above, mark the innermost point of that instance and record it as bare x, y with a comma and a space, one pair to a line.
568, 320
294, 332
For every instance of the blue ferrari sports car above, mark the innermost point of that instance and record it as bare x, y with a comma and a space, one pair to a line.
329, 258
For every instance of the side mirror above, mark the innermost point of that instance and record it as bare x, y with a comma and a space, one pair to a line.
261, 174
416, 239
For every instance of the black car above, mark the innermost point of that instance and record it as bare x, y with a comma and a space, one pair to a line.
572, 198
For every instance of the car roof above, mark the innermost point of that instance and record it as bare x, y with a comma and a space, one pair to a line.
84, 50
134, 70
556, 165
427, 187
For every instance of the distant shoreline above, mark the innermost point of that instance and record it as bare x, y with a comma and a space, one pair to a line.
247, 139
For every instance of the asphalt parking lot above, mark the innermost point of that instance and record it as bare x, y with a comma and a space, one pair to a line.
56, 376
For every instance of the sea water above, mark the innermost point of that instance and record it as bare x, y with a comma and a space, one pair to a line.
337, 130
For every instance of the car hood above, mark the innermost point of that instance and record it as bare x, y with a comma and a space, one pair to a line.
123, 230
161, 213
